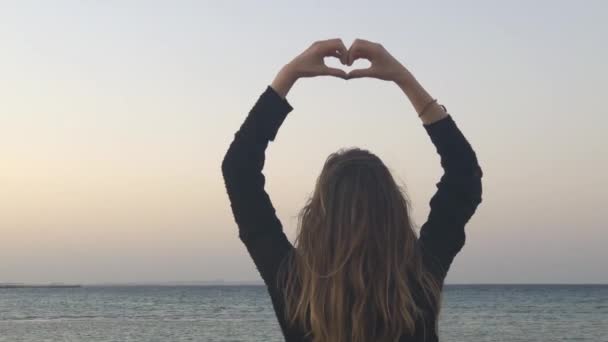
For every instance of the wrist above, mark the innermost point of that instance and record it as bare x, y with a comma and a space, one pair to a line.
289, 73
284, 80
404, 78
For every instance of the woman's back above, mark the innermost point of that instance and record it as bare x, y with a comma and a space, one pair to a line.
356, 269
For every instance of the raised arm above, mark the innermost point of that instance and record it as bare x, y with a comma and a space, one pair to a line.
459, 190
259, 228
458, 194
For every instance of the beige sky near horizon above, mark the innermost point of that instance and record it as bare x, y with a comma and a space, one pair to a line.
114, 119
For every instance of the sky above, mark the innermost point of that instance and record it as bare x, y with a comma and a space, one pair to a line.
115, 117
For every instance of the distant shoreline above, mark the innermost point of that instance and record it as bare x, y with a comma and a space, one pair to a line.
20, 286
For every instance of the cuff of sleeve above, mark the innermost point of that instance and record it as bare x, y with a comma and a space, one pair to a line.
269, 112
442, 132
439, 124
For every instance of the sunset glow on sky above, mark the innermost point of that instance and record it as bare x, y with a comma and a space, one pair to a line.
115, 116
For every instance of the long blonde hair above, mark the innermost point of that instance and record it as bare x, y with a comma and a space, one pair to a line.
356, 260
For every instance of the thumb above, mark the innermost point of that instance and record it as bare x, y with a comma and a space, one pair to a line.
358, 73
335, 72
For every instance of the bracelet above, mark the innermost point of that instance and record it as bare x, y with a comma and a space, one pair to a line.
428, 105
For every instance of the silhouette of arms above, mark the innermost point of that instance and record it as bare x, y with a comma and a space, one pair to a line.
458, 194
259, 228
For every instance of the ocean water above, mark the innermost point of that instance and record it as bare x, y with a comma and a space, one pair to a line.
244, 313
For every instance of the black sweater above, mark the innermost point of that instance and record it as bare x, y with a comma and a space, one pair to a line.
441, 236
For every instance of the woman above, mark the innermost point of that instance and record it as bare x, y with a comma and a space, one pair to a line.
358, 272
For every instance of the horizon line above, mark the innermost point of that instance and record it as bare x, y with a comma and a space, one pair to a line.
261, 283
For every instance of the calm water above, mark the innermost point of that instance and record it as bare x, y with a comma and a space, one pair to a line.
244, 313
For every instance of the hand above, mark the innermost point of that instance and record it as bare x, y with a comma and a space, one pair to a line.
386, 67
310, 63
383, 65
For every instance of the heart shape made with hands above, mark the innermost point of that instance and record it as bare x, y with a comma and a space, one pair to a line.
334, 62
362, 59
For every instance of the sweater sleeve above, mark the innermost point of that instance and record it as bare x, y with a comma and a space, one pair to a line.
458, 194
259, 228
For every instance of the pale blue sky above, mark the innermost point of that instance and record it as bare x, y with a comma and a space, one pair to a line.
115, 116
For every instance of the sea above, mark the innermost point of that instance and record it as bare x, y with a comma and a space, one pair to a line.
244, 313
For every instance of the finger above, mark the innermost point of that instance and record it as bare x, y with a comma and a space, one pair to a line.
333, 47
342, 50
363, 41
336, 54
335, 72
359, 49
356, 52
340, 56
359, 73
